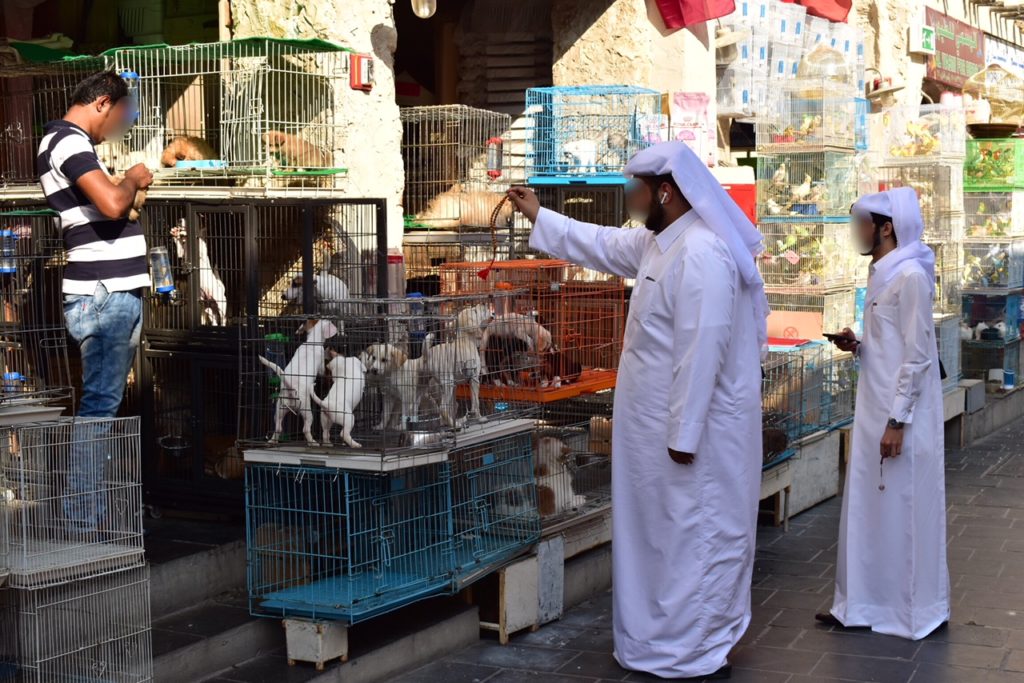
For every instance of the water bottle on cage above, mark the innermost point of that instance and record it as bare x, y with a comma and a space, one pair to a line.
131, 79
8, 252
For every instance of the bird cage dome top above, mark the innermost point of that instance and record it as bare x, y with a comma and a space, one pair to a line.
828, 69
1002, 89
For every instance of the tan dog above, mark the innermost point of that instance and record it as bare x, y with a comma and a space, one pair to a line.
186, 148
294, 152
140, 198
458, 361
457, 208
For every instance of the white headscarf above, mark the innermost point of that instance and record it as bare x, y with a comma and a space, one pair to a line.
713, 204
902, 206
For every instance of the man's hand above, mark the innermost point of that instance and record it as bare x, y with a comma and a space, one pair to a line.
680, 458
849, 343
140, 175
525, 201
892, 442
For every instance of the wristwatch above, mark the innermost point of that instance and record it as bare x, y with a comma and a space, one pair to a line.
895, 424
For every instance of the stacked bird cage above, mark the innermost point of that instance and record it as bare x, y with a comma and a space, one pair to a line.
781, 405
808, 176
72, 528
996, 215
949, 269
568, 320
347, 544
31, 95
586, 134
947, 336
258, 110
812, 408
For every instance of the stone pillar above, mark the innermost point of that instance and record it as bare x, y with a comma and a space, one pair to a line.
372, 132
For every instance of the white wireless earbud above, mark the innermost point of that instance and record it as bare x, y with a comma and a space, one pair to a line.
664, 197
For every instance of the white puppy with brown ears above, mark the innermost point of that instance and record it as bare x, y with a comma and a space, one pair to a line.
458, 361
403, 380
339, 407
299, 376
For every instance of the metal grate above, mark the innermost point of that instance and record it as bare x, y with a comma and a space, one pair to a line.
73, 499
589, 131
396, 394
494, 501
33, 343
95, 629
458, 164
572, 320
808, 185
254, 107
333, 544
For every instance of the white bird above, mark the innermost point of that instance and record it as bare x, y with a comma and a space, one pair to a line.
780, 179
966, 333
774, 208
801, 191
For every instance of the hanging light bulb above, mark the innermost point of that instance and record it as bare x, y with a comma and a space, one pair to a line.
424, 9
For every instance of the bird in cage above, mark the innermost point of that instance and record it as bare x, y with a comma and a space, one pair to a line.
292, 151
802, 191
780, 179
186, 148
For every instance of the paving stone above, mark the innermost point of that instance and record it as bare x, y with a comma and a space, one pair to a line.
516, 656
857, 668
796, 600
595, 665
958, 654
775, 659
971, 635
449, 672
866, 644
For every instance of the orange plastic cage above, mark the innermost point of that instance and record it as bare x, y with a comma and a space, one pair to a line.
584, 312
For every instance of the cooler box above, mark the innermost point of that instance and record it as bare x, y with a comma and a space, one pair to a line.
739, 183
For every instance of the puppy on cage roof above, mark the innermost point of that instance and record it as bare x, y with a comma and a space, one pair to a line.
458, 361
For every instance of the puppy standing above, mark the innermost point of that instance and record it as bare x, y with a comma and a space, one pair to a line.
458, 361
403, 382
328, 290
298, 377
212, 293
339, 408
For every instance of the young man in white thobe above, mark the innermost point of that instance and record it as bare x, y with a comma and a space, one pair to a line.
891, 574
686, 449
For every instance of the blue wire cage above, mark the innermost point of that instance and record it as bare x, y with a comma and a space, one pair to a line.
494, 502
840, 375
588, 133
346, 545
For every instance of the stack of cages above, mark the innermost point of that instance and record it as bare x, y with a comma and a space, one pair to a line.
743, 67
808, 175
77, 598
231, 260
253, 113
459, 161
781, 406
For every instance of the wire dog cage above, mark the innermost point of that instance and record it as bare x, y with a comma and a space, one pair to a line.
255, 107
425, 251
73, 497
570, 321
403, 374
94, 629
231, 259
572, 457
335, 544
588, 133
31, 95
813, 360
32, 337
807, 256
458, 164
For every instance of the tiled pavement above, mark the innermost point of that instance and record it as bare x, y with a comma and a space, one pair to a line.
984, 642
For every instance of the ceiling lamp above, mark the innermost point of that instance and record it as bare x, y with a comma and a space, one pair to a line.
424, 9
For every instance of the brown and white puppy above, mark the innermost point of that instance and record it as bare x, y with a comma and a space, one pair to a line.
552, 468
294, 152
186, 148
458, 361
140, 198
403, 380
299, 376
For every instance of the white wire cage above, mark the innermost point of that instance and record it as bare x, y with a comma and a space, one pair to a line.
810, 257
806, 115
990, 316
426, 251
458, 164
993, 264
254, 107
93, 629
925, 132
73, 499
807, 185
994, 214
808, 316
949, 268
31, 95
947, 337
781, 404
939, 185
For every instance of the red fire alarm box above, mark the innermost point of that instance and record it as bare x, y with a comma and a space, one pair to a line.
360, 72
739, 183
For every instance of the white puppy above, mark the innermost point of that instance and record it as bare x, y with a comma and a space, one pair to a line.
328, 291
403, 379
298, 377
339, 408
458, 361
581, 156
212, 293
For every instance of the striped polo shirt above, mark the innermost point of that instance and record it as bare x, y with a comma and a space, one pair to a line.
98, 249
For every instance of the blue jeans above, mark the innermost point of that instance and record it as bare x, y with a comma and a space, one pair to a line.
106, 326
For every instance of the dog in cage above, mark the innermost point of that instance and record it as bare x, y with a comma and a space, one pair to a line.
212, 293
299, 377
348, 377
458, 361
510, 344
553, 468
329, 291
292, 151
186, 148
460, 207
405, 383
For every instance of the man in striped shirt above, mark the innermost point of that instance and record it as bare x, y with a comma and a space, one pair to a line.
106, 269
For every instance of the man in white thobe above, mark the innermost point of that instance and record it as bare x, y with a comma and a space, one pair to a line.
891, 574
686, 449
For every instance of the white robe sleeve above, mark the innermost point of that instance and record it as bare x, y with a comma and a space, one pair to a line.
915, 315
610, 250
702, 327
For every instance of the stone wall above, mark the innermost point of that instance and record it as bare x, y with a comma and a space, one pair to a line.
370, 146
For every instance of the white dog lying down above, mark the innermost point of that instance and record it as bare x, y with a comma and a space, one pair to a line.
298, 377
458, 361
339, 407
